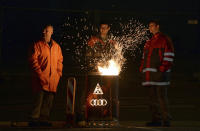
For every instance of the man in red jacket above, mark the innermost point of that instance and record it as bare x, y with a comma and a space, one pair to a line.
46, 63
156, 65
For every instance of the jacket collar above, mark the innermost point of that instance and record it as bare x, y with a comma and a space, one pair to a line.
157, 35
52, 42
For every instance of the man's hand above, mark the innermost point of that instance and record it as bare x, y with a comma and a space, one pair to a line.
92, 41
43, 80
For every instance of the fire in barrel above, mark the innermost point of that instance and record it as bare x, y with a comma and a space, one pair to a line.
102, 90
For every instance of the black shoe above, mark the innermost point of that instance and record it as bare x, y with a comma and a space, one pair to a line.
154, 124
45, 123
166, 124
33, 124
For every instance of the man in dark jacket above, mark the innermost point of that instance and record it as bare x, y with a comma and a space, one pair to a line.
156, 65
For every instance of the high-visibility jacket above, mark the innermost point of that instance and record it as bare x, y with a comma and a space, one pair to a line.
157, 60
46, 63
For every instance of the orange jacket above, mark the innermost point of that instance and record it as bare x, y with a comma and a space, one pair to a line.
47, 66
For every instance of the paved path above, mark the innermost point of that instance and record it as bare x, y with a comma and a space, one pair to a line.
124, 126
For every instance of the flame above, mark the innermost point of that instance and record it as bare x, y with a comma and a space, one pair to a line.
112, 69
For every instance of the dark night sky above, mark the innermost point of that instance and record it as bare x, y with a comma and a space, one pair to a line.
129, 5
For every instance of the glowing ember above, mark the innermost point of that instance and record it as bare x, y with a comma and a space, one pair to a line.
112, 69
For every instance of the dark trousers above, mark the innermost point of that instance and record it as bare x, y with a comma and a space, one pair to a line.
43, 101
159, 103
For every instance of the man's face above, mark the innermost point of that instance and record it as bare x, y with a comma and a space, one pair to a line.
47, 33
104, 28
153, 28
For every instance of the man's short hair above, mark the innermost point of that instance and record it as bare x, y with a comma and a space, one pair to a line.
47, 25
104, 23
155, 22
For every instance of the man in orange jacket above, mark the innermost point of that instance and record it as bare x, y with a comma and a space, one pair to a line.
46, 63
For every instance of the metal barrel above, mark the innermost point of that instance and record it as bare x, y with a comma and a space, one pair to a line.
102, 103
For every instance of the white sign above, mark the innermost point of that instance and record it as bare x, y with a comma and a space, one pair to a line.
98, 90
98, 102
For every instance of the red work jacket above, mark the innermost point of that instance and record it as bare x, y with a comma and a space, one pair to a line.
157, 60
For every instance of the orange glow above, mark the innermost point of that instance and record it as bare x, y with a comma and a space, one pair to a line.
112, 69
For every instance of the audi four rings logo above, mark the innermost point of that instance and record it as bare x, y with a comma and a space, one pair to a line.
98, 102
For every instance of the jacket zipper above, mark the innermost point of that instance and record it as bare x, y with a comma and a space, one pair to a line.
50, 67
